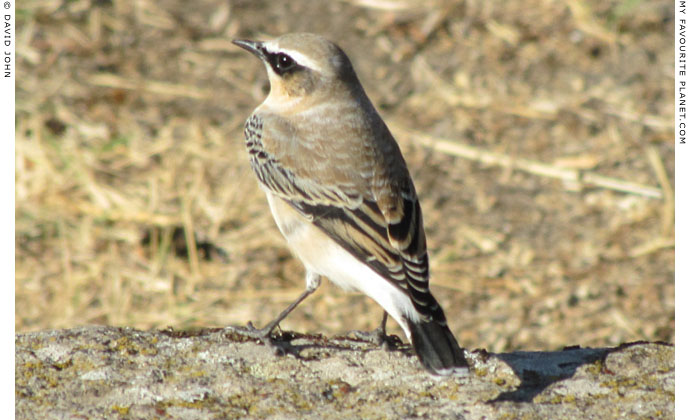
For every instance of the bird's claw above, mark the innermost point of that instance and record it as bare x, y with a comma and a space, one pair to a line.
378, 337
264, 335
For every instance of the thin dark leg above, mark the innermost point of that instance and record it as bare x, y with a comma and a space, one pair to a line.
383, 323
266, 331
264, 334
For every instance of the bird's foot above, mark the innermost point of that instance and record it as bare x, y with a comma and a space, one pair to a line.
378, 337
279, 345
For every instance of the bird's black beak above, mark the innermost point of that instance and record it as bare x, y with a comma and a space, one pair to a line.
254, 47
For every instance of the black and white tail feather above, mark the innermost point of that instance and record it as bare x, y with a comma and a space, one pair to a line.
436, 347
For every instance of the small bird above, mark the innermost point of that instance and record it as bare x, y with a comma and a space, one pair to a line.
340, 192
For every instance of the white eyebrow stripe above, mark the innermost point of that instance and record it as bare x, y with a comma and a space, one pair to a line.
300, 58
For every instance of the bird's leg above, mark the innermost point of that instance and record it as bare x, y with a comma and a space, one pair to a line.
379, 336
266, 331
264, 334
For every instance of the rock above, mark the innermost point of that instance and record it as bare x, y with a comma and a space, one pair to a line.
109, 372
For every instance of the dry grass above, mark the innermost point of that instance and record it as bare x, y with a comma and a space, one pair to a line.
538, 133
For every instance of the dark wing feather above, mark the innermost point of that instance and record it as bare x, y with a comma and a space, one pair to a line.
361, 232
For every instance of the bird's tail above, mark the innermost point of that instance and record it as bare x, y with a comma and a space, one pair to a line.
437, 348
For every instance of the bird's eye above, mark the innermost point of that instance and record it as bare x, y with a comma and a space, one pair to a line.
282, 63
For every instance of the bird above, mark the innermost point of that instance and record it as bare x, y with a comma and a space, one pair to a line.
340, 192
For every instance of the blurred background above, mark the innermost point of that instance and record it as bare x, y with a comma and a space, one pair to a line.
538, 133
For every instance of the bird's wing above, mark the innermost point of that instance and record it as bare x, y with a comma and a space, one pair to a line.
380, 224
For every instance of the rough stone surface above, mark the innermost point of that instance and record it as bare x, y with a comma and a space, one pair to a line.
108, 372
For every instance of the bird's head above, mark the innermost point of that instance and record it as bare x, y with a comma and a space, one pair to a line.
301, 65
